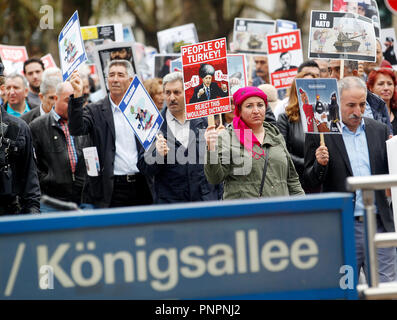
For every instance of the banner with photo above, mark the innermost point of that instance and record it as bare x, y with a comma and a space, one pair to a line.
205, 77
48, 61
340, 35
249, 35
100, 34
388, 39
366, 8
171, 40
105, 53
141, 112
162, 63
13, 58
319, 105
71, 47
237, 71
285, 55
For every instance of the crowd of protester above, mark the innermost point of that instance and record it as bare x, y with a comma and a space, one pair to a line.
257, 150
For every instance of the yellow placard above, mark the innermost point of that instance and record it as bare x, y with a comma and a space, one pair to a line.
89, 33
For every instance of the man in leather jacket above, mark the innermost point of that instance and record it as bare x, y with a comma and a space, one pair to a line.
19, 184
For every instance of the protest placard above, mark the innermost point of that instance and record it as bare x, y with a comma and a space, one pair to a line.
205, 77
366, 8
319, 105
48, 61
13, 58
388, 39
128, 35
176, 65
162, 63
105, 53
71, 47
391, 146
100, 34
141, 112
285, 25
285, 55
341, 35
237, 71
249, 35
171, 40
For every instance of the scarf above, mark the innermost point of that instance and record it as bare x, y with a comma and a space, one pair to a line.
246, 137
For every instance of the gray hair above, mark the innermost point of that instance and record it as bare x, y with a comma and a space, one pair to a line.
49, 83
60, 87
121, 62
14, 75
350, 83
173, 76
52, 72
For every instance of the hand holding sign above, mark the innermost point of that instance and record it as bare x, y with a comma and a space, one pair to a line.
161, 145
322, 155
77, 84
211, 136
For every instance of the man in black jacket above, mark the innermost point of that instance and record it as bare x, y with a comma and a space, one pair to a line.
19, 185
359, 151
60, 159
119, 182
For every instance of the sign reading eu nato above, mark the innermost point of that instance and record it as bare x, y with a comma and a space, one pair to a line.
280, 248
141, 112
71, 47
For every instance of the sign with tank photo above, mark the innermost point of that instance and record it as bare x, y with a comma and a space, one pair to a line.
171, 40
319, 105
366, 8
285, 55
205, 77
71, 47
340, 35
141, 112
249, 35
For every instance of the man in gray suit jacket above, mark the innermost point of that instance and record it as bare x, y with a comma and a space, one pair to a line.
359, 151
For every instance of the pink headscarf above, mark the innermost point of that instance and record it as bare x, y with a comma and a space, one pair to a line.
243, 132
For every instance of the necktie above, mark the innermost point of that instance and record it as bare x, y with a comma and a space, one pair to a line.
207, 91
70, 144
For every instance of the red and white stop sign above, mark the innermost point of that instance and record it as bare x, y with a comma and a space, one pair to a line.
392, 5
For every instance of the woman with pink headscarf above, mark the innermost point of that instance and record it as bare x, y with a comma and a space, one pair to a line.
250, 155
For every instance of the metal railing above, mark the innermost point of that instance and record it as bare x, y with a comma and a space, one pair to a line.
368, 185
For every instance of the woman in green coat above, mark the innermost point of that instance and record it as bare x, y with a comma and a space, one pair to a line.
250, 156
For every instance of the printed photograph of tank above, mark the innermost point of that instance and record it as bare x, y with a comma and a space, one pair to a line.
341, 35
249, 35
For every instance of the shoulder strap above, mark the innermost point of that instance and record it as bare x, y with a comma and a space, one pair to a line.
267, 149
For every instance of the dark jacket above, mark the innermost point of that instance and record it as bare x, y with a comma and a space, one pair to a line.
24, 193
333, 176
379, 109
31, 115
175, 182
97, 120
55, 174
215, 92
295, 140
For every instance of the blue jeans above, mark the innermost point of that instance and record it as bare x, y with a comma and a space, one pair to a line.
386, 256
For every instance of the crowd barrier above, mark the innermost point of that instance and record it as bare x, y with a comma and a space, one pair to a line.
277, 248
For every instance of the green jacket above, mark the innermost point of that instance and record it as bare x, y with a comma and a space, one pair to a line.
232, 164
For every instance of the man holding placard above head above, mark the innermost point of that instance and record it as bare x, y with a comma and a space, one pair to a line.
118, 181
359, 151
